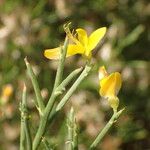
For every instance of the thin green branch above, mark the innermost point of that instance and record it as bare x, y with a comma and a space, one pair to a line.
28, 135
64, 100
22, 130
72, 140
102, 133
70, 125
25, 125
66, 81
84, 73
62, 87
61, 63
75, 135
39, 102
22, 136
50, 104
48, 109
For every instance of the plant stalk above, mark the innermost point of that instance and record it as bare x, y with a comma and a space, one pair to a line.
50, 104
39, 102
84, 73
105, 129
25, 131
70, 126
72, 143
22, 129
48, 108
61, 63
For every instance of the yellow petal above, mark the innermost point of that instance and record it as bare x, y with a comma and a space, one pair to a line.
52, 53
110, 86
75, 49
82, 36
95, 37
55, 53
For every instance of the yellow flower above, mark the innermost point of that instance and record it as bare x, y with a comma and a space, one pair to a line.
81, 43
6, 93
110, 86
7, 90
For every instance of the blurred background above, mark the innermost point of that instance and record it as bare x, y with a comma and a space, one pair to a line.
28, 27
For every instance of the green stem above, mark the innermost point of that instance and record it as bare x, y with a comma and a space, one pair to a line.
72, 142
84, 73
105, 129
62, 87
28, 135
75, 136
22, 131
44, 119
60, 105
22, 136
48, 109
25, 125
43, 122
61, 64
70, 125
66, 81
35, 84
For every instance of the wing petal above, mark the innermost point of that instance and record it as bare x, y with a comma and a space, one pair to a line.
55, 52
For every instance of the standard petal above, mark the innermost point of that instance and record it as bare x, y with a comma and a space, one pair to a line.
55, 53
95, 37
82, 36
110, 86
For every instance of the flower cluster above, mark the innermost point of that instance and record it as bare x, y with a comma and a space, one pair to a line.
81, 43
